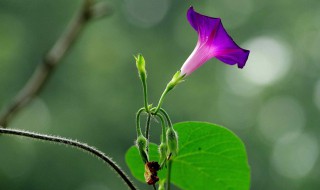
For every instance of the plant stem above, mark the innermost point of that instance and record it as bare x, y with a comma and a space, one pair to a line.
45, 69
166, 116
163, 124
145, 95
73, 143
147, 131
164, 93
169, 174
138, 127
148, 126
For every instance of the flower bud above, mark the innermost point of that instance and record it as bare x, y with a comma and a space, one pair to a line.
141, 144
163, 153
141, 66
172, 141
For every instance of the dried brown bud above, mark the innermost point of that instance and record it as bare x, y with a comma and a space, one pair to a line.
150, 172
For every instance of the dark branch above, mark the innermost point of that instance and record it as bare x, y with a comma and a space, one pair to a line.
44, 70
72, 143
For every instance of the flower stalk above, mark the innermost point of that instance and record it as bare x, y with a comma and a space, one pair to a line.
163, 145
176, 79
138, 127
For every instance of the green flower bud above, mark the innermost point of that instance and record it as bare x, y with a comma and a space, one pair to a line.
141, 144
172, 141
163, 153
141, 66
176, 79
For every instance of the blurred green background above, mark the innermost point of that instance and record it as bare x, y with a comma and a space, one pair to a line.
273, 104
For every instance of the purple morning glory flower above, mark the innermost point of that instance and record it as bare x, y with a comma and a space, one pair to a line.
213, 41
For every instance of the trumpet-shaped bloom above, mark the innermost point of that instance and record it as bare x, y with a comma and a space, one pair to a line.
213, 41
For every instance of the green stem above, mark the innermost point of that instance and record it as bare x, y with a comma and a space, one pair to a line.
145, 95
139, 132
166, 116
163, 124
73, 143
164, 93
148, 126
169, 174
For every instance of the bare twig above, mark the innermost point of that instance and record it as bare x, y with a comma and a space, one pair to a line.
44, 70
72, 143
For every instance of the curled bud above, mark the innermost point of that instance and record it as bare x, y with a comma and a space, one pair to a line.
163, 153
141, 144
141, 66
172, 141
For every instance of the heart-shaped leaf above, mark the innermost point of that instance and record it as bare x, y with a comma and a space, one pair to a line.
210, 158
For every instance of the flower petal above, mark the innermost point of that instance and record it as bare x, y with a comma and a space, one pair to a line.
204, 25
212, 34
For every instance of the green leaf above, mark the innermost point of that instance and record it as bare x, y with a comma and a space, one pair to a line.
210, 157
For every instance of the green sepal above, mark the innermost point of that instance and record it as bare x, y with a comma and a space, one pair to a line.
176, 79
141, 66
141, 144
172, 141
163, 149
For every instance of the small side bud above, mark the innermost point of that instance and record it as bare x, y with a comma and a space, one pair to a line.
141, 144
172, 141
176, 79
163, 149
141, 66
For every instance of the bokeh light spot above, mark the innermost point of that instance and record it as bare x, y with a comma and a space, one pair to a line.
294, 155
280, 115
238, 84
145, 13
269, 60
35, 117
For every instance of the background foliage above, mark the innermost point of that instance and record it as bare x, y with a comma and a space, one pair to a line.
273, 104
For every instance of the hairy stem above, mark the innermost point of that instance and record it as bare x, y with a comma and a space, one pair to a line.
45, 69
145, 95
166, 116
169, 174
148, 126
138, 127
164, 93
72, 143
147, 130
163, 125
